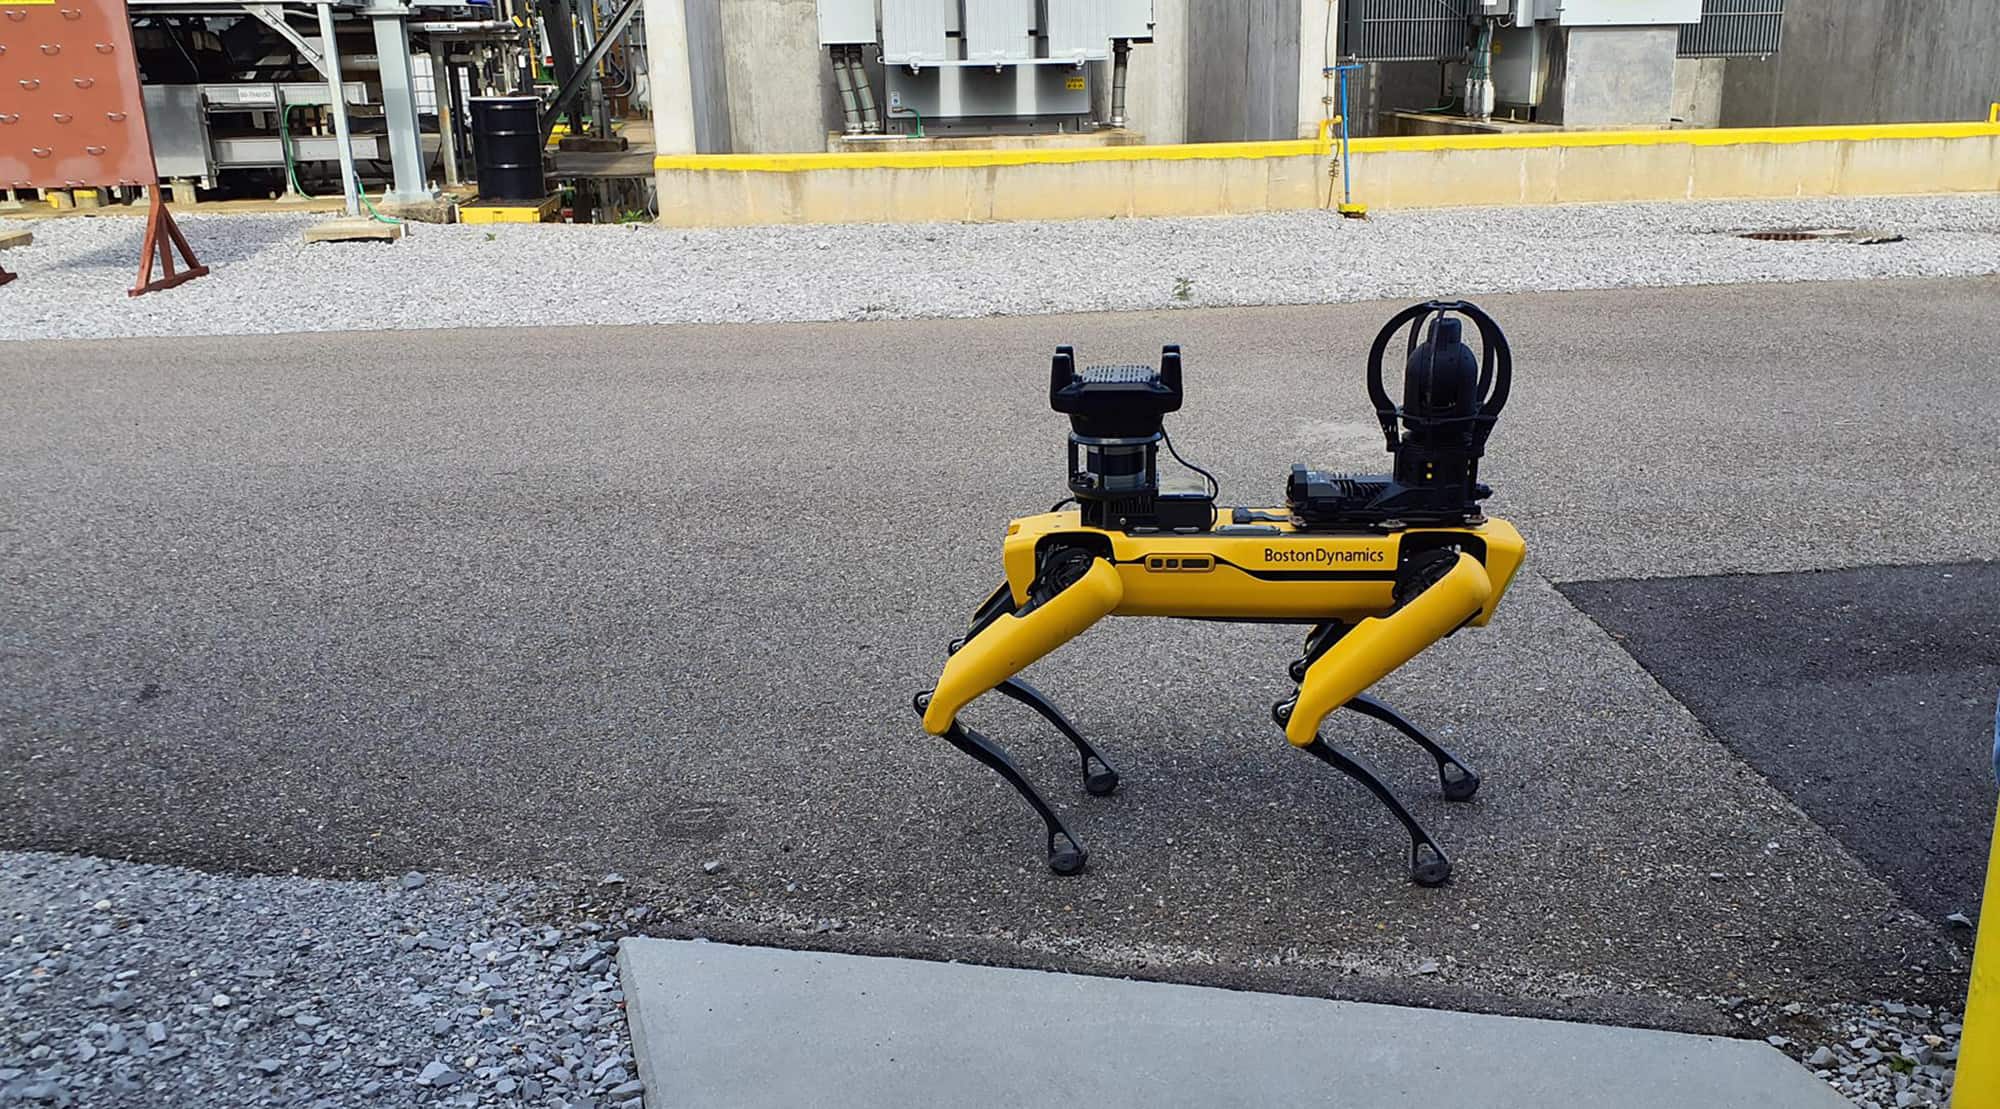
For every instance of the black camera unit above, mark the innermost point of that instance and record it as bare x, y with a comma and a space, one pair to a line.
1451, 399
1115, 418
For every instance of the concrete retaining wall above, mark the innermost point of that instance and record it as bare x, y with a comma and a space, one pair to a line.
1242, 70
1410, 172
1424, 172
1153, 183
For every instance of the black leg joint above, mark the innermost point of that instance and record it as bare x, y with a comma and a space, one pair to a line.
1318, 642
997, 604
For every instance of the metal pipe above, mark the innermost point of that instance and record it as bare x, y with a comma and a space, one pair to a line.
447, 111
600, 105
1479, 78
465, 28
1121, 56
850, 109
1347, 205
857, 67
349, 186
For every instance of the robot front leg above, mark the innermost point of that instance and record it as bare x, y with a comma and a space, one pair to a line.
1074, 591
1100, 778
1431, 606
1459, 780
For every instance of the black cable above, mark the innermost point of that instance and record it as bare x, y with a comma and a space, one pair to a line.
1058, 505
1214, 486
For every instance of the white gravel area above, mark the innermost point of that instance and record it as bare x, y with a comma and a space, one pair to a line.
266, 280
125, 984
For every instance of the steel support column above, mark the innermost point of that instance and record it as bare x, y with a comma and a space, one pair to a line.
330, 54
399, 103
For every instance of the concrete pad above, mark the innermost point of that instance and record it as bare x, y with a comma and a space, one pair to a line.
352, 230
715, 1024
437, 209
11, 239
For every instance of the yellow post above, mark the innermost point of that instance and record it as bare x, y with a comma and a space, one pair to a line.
1978, 1082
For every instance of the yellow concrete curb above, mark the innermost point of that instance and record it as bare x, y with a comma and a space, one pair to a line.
1319, 147
966, 159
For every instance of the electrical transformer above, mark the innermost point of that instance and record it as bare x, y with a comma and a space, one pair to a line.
972, 65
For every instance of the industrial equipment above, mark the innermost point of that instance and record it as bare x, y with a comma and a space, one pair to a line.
1379, 566
249, 94
202, 131
1520, 58
971, 66
269, 96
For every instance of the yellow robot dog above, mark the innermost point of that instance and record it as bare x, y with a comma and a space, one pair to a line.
1381, 566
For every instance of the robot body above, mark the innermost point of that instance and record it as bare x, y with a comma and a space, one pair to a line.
1380, 566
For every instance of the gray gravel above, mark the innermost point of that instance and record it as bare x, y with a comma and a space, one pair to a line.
129, 984
125, 984
1886, 1054
266, 280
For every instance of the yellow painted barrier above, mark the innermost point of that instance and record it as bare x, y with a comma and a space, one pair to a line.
1322, 145
972, 159
1685, 136
889, 184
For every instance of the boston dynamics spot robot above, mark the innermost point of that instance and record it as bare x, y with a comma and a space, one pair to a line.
1379, 565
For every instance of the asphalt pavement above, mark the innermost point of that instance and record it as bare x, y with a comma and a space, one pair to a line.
1875, 716
562, 602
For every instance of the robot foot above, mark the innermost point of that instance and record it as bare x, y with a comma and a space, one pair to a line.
1429, 865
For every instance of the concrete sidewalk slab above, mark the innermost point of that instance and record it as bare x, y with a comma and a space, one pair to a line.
715, 1024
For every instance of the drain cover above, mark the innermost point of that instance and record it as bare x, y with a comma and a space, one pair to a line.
1821, 234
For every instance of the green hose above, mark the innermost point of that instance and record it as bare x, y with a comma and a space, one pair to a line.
292, 171
379, 217
285, 144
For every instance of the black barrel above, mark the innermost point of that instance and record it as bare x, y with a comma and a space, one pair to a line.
507, 147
